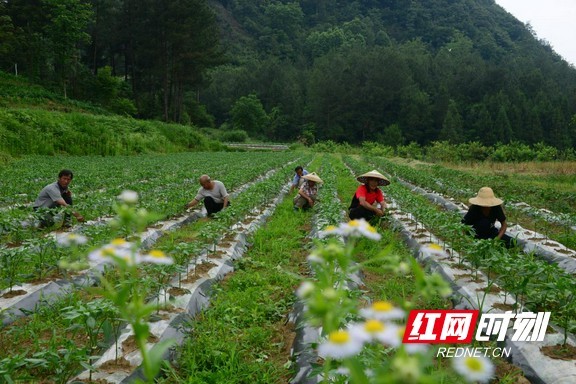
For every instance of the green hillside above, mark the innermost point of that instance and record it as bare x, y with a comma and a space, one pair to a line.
393, 72
34, 120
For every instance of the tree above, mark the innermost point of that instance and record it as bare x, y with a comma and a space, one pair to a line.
66, 29
249, 115
452, 128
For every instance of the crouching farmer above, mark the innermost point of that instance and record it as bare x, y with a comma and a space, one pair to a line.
306, 197
54, 196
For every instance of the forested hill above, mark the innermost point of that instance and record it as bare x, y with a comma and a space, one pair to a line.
394, 71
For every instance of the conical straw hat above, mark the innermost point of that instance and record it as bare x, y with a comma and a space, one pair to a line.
485, 198
313, 177
382, 180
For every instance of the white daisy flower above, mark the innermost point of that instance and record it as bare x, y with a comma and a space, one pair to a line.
474, 369
69, 239
156, 257
372, 330
116, 249
330, 230
383, 311
359, 228
340, 344
432, 250
128, 197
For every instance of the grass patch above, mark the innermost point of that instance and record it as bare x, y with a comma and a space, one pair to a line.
242, 336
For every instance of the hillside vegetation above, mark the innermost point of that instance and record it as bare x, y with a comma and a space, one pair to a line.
394, 72
36, 121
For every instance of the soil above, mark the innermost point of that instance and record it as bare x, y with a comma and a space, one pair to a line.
113, 366
201, 270
216, 255
129, 345
560, 352
504, 307
505, 370
14, 293
175, 291
285, 334
491, 289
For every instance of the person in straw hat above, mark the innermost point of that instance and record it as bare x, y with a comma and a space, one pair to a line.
306, 197
482, 214
368, 200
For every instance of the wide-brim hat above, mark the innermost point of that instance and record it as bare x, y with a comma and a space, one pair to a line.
313, 177
485, 198
382, 180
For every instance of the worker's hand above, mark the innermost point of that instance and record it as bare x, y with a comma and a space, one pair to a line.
379, 212
80, 218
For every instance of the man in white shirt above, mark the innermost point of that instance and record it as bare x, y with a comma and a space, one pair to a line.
214, 194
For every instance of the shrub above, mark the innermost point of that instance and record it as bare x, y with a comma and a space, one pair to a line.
234, 136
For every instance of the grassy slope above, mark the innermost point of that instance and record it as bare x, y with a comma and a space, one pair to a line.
36, 121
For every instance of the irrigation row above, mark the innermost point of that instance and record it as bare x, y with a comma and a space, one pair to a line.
193, 295
542, 246
447, 185
303, 353
475, 291
530, 241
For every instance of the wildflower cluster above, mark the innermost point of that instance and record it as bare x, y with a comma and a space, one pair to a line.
364, 345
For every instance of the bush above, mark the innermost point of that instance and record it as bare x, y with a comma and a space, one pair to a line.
441, 151
411, 151
234, 136
514, 152
372, 148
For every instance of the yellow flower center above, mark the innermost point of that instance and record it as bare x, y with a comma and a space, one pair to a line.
339, 337
330, 228
118, 242
373, 326
473, 364
435, 247
354, 223
371, 229
108, 251
382, 306
157, 253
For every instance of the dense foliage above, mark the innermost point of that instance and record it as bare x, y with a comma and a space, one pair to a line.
390, 71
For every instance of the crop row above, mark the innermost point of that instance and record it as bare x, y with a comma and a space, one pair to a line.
40, 360
535, 283
463, 185
37, 255
164, 182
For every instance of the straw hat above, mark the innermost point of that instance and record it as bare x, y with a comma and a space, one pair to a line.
313, 177
374, 174
485, 198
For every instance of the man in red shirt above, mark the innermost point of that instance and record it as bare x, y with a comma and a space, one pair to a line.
368, 200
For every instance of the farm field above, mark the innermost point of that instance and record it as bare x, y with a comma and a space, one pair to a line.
228, 307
